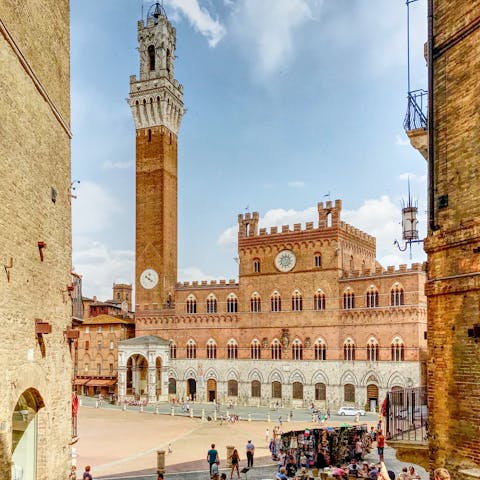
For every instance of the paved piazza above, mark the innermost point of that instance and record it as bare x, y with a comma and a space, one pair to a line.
123, 444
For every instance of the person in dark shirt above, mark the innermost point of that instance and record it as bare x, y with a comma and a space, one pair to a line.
291, 468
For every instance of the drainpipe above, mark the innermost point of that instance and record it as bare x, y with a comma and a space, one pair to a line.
431, 156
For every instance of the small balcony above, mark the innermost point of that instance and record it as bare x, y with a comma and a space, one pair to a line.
415, 123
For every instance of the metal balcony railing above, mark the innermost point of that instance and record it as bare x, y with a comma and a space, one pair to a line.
417, 110
406, 414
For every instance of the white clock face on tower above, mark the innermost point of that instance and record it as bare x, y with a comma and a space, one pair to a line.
149, 278
285, 260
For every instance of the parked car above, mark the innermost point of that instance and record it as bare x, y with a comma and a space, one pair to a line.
350, 411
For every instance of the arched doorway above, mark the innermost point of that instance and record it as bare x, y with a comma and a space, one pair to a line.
372, 396
192, 388
24, 434
211, 389
137, 368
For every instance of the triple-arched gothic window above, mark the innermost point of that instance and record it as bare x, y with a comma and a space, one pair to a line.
319, 300
211, 304
191, 304
255, 350
232, 303
372, 350
297, 350
276, 349
372, 297
232, 349
276, 302
297, 301
397, 296
348, 300
191, 349
255, 303
320, 350
398, 350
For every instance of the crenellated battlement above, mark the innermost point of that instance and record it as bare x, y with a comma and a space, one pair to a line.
384, 272
207, 284
346, 227
328, 220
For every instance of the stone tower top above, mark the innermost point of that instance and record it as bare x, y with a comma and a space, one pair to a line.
156, 98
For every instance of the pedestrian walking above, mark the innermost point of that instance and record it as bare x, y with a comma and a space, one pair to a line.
235, 462
212, 457
250, 452
380, 445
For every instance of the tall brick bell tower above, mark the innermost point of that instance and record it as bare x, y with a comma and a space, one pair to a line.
156, 101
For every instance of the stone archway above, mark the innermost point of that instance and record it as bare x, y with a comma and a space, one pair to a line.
191, 388
137, 380
24, 434
372, 396
211, 389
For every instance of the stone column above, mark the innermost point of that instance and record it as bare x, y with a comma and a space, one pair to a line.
122, 384
152, 384
163, 396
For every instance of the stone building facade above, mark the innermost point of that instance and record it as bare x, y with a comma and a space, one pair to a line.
35, 240
313, 316
453, 242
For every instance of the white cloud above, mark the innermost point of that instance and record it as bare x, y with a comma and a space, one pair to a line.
93, 209
101, 266
109, 165
200, 19
378, 217
267, 28
296, 184
190, 274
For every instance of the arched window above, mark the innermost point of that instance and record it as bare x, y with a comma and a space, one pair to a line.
191, 349
352, 264
256, 265
232, 388
255, 350
320, 350
276, 390
297, 350
319, 300
191, 304
372, 350
320, 391
232, 349
211, 304
211, 349
349, 350
297, 301
173, 350
297, 391
349, 392
348, 300
276, 350
397, 296
276, 302
398, 350
255, 303
372, 297
172, 386
168, 61
317, 260
151, 57
232, 304
256, 389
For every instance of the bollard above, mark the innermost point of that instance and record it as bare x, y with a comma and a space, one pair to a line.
191, 413
230, 449
124, 406
160, 461
268, 417
156, 408
172, 412
80, 402
215, 415
141, 408
96, 404
249, 417
203, 414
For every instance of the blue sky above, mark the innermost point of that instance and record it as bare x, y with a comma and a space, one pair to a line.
287, 101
